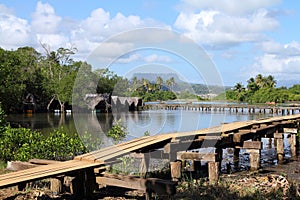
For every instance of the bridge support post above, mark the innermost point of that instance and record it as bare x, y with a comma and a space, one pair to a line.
236, 157
279, 146
254, 149
293, 145
56, 184
144, 163
214, 166
84, 184
176, 170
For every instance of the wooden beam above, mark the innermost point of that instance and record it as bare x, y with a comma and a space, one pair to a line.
290, 130
155, 185
209, 157
252, 145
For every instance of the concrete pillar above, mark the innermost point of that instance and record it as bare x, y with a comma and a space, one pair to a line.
213, 172
293, 145
236, 157
254, 150
254, 159
279, 146
56, 184
144, 163
214, 166
175, 170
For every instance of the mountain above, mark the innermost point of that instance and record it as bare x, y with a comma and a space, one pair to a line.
181, 85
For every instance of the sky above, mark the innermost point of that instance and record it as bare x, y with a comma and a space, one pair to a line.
240, 38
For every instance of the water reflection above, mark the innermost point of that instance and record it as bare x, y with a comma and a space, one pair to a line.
137, 123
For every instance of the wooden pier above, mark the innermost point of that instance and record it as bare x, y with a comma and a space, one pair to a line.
234, 108
89, 170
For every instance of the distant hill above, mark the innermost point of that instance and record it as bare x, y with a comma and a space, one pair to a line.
180, 85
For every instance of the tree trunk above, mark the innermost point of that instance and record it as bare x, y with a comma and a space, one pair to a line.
49, 104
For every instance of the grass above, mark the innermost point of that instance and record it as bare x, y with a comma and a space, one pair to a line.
230, 189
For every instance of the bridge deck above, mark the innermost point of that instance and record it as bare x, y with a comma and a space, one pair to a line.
101, 157
44, 171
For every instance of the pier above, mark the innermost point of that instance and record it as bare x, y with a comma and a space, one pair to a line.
90, 171
237, 108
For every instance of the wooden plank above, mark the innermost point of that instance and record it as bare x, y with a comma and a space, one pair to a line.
134, 145
43, 161
127, 150
43, 172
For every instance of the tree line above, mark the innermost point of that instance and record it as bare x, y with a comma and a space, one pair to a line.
46, 81
262, 89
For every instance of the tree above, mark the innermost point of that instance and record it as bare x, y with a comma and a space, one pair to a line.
159, 82
259, 80
270, 81
19, 75
239, 89
170, 82
60, 75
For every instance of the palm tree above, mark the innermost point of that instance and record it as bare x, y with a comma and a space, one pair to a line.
170, 82
146, 83
159, 82
239, 88
252, 86
135, 83
271, 82
259, 80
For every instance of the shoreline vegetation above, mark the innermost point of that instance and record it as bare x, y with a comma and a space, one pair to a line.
49, 81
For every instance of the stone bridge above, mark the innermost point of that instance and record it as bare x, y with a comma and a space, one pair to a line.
107, 103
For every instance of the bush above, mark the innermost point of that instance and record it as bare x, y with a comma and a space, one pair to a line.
23, 144
117, 132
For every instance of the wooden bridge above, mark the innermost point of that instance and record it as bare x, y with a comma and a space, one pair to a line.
89, 169
243, 108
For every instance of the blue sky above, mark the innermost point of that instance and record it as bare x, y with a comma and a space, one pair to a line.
242, 38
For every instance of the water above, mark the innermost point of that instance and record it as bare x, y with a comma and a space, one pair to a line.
137, 123
151, 122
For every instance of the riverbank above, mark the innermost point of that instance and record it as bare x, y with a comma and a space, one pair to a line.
277, 182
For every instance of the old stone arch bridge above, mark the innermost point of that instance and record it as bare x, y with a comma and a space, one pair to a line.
108, 103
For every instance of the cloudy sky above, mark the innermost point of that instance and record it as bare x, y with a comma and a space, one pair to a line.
242, 38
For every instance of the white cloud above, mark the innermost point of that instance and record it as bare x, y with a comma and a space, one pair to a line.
13, 31
46, 26
279, 59
6, 10
224, 23
231, 7
130, 58
157, 58
44, 19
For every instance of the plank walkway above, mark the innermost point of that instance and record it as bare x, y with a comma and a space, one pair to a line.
100, 157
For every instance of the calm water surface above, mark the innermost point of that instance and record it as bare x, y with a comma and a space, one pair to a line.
137, 123
153, 121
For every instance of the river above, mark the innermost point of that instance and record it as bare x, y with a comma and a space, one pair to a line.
151, 122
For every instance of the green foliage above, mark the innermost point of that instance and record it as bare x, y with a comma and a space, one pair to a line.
24, 144
262, 89
186, 95
117, 132
3, 122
